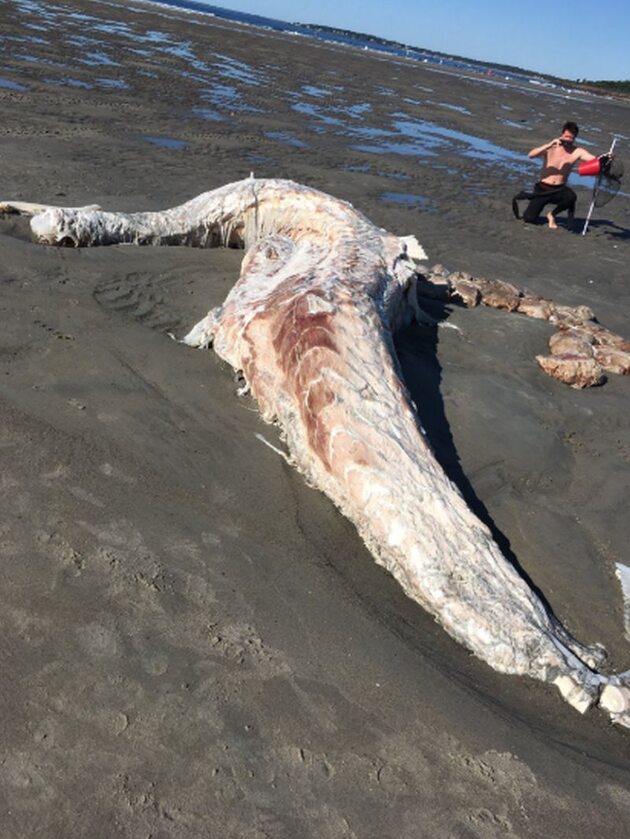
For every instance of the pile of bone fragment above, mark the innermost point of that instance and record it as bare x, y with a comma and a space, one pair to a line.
582, 351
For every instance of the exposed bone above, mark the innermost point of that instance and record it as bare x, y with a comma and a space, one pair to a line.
582, 351
613, 360
465, 291
571, 342
499, 295
574, 370
604, 337
535, 307
309, 323
440, 271
571, 315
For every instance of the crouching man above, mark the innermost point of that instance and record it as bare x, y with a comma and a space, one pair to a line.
559, 157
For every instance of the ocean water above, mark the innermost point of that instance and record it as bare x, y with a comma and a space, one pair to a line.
350, 39
225, 89
493, 75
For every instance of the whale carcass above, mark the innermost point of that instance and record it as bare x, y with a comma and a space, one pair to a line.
309, 324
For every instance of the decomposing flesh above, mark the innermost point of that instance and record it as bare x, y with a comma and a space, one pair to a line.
309, 324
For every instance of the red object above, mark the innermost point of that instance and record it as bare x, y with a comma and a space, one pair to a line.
590, 167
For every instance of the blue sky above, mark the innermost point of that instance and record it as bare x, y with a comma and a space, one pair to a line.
568, 38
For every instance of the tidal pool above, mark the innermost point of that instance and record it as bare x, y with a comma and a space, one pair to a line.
166, 142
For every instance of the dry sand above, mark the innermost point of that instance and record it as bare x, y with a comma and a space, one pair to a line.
195, 644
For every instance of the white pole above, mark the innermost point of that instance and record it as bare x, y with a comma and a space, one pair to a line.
595, 191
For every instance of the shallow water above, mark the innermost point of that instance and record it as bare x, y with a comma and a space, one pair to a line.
208, 113
312, 90
114, 84
512, 124
166, 142
228, 85
407, 199
230, 68
459, 108
394, 176
406, 149
257, 159
285, 137
227, 97
7, 84
318, 114
67, 81
98, 59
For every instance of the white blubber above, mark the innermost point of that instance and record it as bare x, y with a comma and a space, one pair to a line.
309, 326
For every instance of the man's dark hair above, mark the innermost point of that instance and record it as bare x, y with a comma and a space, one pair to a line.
572, 127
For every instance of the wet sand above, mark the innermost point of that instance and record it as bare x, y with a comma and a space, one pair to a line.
196, 644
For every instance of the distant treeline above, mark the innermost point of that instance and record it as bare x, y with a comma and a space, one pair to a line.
374, 39
608, 86
617, 87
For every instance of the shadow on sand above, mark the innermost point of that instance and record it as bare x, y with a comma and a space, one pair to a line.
608, 228
416, 347
576, 227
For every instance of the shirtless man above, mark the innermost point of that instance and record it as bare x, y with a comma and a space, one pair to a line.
560, 155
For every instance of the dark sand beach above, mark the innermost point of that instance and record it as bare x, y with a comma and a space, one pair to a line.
194, 642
